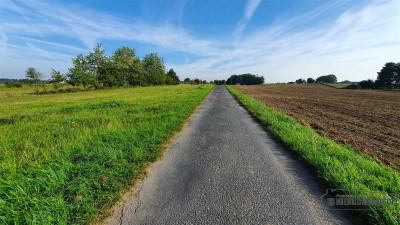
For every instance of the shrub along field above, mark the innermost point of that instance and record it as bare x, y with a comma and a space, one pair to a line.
339, 166
32, 89
64, 157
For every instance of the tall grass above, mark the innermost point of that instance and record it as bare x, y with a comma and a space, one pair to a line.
32, 89
340, 167
64, 157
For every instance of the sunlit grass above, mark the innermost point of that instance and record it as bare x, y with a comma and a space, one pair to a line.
64, 157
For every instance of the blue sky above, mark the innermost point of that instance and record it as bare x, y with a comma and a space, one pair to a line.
281, 40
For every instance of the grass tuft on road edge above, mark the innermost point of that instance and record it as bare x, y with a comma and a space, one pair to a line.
340, 167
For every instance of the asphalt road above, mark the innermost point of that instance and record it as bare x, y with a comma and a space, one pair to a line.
223, 168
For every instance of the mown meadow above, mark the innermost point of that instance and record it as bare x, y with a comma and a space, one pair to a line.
65, 157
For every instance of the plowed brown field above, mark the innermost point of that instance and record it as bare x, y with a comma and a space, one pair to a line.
369, 121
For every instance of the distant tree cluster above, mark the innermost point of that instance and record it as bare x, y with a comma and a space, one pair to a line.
123, 68
194, 81
331, 78
300, 81
310, 80
388, 78
13, 84
245, 79
219, 82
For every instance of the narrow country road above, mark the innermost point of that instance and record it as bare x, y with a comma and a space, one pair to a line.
223, 168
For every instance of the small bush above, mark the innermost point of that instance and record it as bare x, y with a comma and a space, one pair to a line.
353, 86
13, 84
196, 81
73, 89
68, 90
367, 84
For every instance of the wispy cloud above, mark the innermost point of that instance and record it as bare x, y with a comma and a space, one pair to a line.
75, 22
352, 42
251, 7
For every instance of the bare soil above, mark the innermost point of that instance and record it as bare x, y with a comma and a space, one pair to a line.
368, 121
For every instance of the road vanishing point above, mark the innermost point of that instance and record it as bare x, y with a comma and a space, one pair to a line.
223, 168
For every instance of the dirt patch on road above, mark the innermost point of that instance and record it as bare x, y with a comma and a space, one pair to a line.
369, 121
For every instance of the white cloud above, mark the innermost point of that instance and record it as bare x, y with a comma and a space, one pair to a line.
353, 46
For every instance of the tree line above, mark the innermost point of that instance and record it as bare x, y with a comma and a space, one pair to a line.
245, 79
331, 78
122, 68
388, 78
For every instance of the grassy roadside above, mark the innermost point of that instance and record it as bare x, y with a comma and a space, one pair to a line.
339, 166
64, 157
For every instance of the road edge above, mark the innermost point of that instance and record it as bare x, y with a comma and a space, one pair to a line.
114, 212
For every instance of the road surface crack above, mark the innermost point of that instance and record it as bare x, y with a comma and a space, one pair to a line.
121, 218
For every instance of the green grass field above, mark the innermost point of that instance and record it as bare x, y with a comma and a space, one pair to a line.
339, 166
66, 157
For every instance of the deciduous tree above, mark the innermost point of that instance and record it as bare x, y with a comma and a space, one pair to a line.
33, 74
57, 78
97, 61
389, 76
310, 80
80, 72
331, 78
154, 67
172, 78
128, 67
